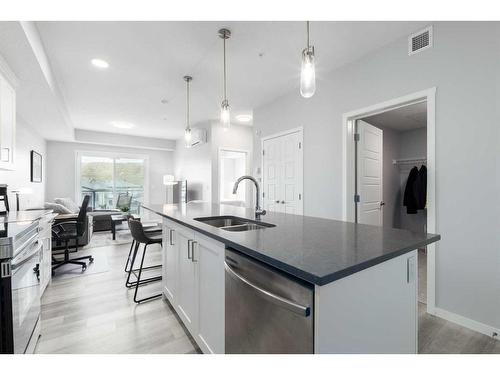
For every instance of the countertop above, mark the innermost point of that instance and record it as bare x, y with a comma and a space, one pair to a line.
23, 216
313, 249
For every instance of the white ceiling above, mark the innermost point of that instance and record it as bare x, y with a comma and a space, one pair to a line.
405, 118
148, 60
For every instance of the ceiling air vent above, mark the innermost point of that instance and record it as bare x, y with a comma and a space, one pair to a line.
420, 41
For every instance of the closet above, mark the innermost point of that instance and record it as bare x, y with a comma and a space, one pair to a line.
390, 164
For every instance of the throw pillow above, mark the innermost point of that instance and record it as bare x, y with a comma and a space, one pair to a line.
57, 208
69, 204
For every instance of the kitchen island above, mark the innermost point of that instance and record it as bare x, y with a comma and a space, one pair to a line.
363, 278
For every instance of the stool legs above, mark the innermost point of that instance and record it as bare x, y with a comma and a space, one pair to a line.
139, 281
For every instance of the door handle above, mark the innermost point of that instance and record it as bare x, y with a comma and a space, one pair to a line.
382, 203
192, 251
189, 248
281, 301
277, 201
171, 232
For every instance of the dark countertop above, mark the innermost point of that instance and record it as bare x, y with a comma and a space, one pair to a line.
313, 249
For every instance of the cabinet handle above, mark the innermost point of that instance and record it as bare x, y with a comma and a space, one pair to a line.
282, 202
189, 249
172, 237
192, 251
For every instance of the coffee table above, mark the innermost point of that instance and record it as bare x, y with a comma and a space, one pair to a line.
118, 219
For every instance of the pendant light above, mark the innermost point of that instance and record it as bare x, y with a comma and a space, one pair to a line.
225, 117
308, 71
187, 132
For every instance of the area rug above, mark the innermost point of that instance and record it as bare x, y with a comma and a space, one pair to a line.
99, 265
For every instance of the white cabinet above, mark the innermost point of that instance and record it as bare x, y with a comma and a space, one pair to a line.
209, 255
193, 282
371, 311
45, 238
187, 301
7, 124
170, 255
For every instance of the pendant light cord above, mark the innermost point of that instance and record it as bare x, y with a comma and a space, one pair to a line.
187, 106
225, 96
308, 35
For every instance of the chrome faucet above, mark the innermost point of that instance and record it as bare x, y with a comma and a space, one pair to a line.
258, 210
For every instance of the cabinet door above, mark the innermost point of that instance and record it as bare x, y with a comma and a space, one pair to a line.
170, 274
187, 302
7, 124
209, 257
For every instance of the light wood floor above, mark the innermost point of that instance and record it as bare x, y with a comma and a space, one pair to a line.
95, 313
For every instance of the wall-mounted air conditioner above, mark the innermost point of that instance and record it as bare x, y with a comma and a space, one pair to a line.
198, 136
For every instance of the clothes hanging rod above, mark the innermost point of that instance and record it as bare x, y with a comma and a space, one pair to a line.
409, 161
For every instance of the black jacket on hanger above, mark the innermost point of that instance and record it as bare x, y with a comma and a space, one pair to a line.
415, 195
409, 200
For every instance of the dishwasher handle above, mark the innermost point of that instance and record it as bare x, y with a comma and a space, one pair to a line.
283, 302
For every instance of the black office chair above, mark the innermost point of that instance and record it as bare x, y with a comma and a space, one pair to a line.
71, 229
141, 237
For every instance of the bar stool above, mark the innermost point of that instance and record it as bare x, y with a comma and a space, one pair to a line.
153, 231
140, 237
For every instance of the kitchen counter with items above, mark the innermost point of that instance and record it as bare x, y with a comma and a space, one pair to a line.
289, 283
25, 271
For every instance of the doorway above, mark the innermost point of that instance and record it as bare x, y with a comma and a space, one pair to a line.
282, 172
232, 165
367, 161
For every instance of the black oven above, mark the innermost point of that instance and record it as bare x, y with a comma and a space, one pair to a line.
20, 293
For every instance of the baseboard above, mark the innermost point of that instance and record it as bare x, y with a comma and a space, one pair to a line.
468, 323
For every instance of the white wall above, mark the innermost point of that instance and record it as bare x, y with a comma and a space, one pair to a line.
27, 139
464, 66
61, 163
194, 165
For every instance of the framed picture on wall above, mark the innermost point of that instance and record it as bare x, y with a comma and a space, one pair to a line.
36, 167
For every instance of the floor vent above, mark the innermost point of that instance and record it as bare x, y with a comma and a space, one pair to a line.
420, 41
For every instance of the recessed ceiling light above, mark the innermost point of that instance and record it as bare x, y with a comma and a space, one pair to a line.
122, 124
244, 118
101, 64
164, 101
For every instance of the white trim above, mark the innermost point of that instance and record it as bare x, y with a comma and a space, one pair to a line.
8, 74
114, 155
348, 121
300, 130
468, 323
247, 170
117, 146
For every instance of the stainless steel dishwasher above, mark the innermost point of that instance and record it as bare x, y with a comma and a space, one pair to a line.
266, 311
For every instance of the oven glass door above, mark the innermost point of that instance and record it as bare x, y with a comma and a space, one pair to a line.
25, 296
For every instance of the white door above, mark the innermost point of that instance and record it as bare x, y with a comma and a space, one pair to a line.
187, 301
369, 174
282, 173
170, 250
209, 257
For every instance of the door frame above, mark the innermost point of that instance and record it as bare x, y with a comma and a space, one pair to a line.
300, 130
248, 197
348, 169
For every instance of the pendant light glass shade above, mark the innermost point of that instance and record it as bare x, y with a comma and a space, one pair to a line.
308, 73
308, 70
225, 115
188, 137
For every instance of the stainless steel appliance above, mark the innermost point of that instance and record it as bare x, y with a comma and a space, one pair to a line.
20, 254
266, 310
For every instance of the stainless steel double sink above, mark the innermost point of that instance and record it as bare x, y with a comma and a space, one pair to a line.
233, 223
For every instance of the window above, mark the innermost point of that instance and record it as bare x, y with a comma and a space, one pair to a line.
232, 165
105, 176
